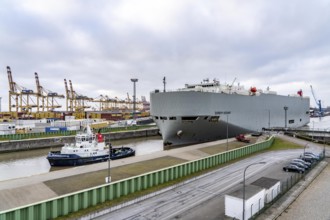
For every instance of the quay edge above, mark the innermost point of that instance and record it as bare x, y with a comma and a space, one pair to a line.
37, 143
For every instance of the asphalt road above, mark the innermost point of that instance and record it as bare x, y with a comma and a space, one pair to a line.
203, 198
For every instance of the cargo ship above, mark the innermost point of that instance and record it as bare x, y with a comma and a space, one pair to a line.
211, 111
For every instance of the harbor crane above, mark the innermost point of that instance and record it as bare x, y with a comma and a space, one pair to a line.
22, 97
69, 99
318, 103
76, 100
107, 103
47, 96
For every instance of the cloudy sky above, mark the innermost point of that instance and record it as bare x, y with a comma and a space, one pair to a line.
100, 45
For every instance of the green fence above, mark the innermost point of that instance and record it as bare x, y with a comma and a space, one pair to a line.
69, 203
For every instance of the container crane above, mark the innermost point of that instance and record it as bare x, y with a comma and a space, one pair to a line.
13, 92
44, 94
102, 100
21, 95
318, 103
78, 100
69, 99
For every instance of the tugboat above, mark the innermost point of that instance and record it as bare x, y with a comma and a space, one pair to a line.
88, 148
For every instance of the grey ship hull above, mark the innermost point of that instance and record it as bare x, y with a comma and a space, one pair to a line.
188, 117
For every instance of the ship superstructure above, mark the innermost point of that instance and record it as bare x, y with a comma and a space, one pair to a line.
209, 110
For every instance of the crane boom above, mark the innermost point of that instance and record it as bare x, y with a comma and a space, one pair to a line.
12, 84
318, 102
39, 87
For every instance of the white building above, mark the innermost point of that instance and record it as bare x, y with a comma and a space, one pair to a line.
254, 202
272, 187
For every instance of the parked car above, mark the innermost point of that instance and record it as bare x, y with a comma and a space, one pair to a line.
242, 138
293, 168
302, 161
299, 164
308, 159
312, 155
256, 134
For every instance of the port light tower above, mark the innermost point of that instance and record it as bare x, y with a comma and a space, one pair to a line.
134, 95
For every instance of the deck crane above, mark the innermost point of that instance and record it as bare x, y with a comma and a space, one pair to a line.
46, 95
318, 102
21, 95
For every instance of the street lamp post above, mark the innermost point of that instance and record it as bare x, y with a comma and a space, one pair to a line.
306, 145
286, 109
313, 133
244, 184
269, 120
109, 177
324, 143
134, 96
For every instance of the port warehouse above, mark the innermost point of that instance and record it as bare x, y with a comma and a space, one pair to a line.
63, 205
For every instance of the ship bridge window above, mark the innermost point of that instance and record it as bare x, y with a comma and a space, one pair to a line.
189, 118
291, 121
78, 139
156, 117
214, 119
163, 118
172, 118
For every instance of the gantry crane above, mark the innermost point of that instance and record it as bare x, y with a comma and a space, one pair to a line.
47, 96
13, 92
22, 96
318, 102
102, 101
77, 101
107, 103
69, 98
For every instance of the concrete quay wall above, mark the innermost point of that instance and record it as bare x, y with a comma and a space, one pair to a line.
36, 143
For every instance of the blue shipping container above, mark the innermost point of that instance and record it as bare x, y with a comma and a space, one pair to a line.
55, 129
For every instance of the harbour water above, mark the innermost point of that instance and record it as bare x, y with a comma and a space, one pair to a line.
27, 163
322, 123
33, 162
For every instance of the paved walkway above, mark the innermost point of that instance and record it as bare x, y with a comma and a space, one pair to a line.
312, 203
308, 199
22, 191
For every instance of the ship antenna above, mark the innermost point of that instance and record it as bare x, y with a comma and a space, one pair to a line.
164, 82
